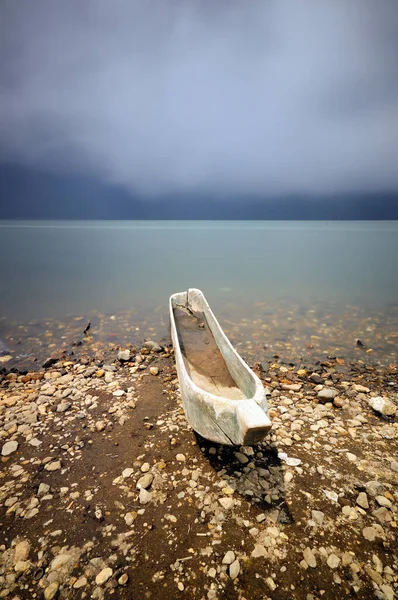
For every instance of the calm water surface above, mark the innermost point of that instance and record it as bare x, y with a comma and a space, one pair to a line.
56, 269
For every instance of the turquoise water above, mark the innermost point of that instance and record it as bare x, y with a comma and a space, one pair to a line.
54, 269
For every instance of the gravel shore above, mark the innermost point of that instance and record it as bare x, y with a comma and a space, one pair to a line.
105, 490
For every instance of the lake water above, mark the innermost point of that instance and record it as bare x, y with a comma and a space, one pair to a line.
330, 274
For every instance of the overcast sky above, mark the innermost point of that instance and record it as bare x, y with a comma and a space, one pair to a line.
245, 97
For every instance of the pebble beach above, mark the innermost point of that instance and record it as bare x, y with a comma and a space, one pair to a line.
106, 491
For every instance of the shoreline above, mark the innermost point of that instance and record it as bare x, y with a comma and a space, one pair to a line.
108, 492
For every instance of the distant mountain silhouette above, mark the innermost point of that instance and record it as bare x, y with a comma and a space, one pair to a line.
32, 194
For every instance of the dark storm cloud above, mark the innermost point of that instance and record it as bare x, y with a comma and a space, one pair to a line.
267, 97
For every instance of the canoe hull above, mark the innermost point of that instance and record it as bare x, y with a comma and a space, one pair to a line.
216, 418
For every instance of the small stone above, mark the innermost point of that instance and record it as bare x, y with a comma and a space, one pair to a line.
11, 501
338, 402
387, 591
383, 406
21, 566
347, 559
180, 457
212, 572
171, 518
317, 516
374, 575
59, 561
127, 473
9, 448
261, 517
248, 450
383, 501
271, 583
35, 442
394, 466
123, 579
309, 558
144, 496
51, 590
259, 550
333, 561
374, 488
154, 371
234, 569
362, 500
369, 533
63, 406
361, 388
327, 394
241, 458
229, 557
55, 465
31, 513
21, 551
331, 495
180, 586
103, 576
44, 488
145, 467
100, 425
130, 517
145, 481
227, 503
81, 582
382, 514
152, 346
292, 462
378, 564
351, 457
124, 355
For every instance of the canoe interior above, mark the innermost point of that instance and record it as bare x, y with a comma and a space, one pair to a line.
203, 360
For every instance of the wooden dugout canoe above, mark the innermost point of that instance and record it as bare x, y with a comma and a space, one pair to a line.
224, 401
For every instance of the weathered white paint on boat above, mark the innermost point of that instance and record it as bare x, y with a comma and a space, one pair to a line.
220, 419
